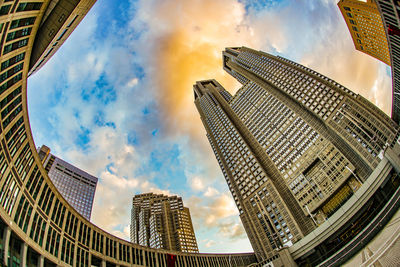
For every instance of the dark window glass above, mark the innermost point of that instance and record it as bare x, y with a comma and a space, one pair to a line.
4, 10
17, 34
11, 47
22, 22
11, 72
11, 61
10, 82
28, 6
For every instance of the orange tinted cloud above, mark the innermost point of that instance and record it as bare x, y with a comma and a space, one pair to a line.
189, 37
184, 40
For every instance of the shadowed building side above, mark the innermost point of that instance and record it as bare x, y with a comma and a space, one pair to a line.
389, 11
59, 21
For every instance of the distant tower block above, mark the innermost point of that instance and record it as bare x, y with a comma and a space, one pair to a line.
160, 221
76, 186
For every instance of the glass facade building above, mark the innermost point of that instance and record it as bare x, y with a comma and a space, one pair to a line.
75, 185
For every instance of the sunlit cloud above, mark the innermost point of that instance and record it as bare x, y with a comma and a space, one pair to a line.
209, 243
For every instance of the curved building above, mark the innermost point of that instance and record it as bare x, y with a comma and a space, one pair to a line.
37, 225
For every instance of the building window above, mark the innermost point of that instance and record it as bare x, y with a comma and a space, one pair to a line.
4, 10
29, 6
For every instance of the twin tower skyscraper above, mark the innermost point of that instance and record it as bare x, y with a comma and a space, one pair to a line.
304, 157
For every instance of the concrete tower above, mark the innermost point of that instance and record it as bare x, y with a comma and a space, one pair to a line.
160, 221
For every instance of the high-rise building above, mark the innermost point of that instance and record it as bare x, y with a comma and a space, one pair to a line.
366, 28
75, 185
295, 147
160, 221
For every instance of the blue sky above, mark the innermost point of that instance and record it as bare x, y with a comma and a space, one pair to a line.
116, 100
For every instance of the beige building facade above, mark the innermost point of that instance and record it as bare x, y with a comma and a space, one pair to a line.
366, 28
162, 222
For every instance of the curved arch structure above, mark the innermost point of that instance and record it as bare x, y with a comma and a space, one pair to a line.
38, 227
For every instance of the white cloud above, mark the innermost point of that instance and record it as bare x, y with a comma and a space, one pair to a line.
197, 183
211, 191
210, 243
133, 82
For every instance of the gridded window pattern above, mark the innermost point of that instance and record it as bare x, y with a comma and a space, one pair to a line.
363, 130
160, 221
246, 171
284, 135
156, 239
271, 218
366, 28
184, 231
240, 77
313, 93
297, 150
243, 173
231, 188
327, 100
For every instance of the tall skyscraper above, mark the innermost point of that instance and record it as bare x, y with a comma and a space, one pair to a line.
75, 185
366, 28
160, 221
294, 147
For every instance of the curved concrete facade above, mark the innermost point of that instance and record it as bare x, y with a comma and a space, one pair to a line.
38, 227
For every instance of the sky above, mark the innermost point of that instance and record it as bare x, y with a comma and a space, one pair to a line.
116, 100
